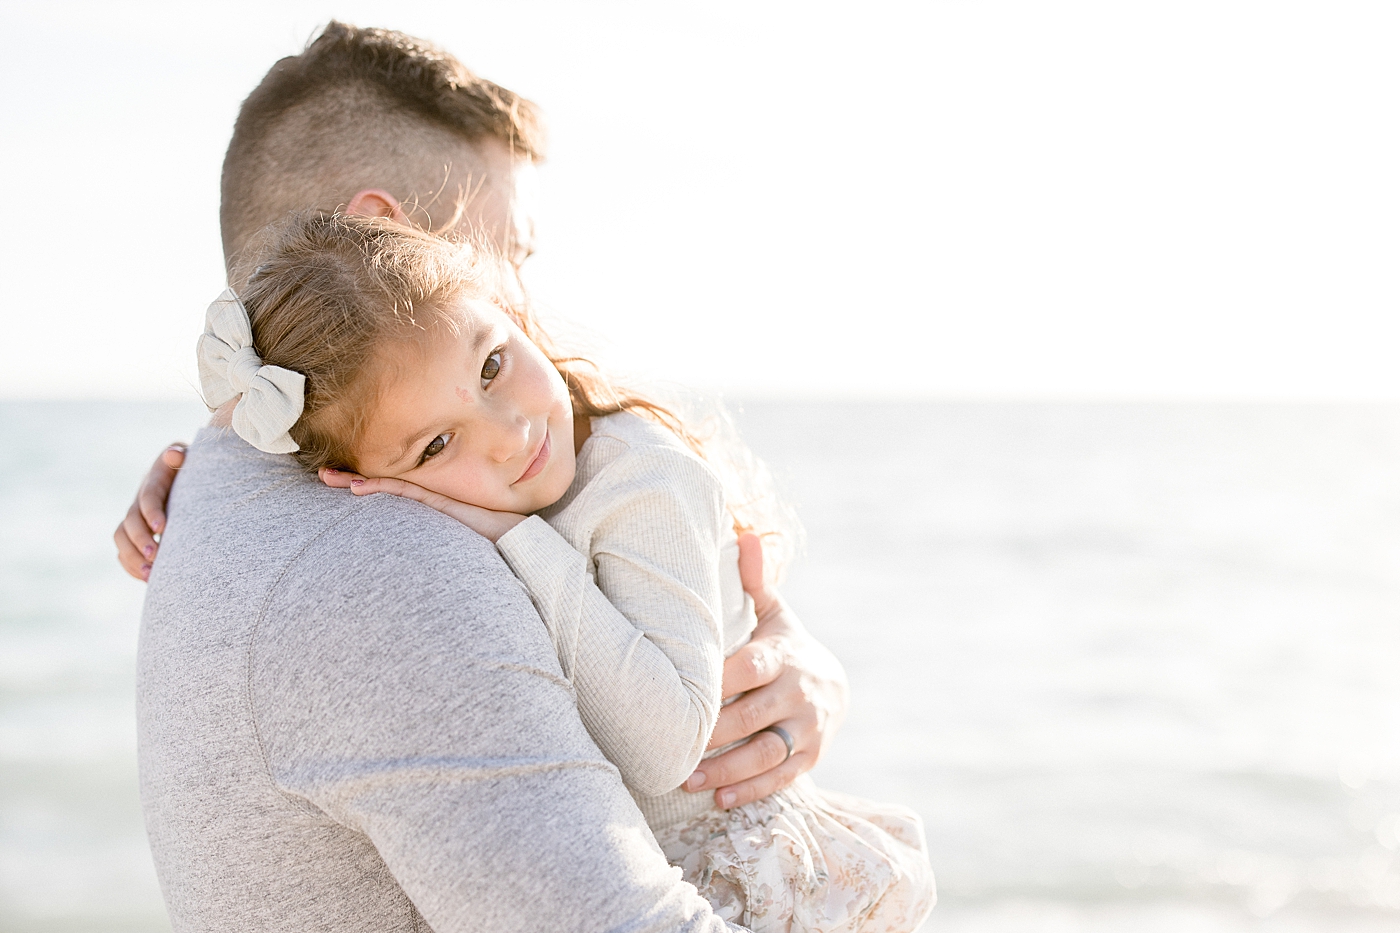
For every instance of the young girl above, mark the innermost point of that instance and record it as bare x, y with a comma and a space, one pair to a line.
392, 360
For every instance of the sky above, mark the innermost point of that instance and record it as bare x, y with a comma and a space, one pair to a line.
993, 199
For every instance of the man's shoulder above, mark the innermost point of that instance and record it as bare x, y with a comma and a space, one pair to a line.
262, 508
269, 504
394, 589
383, 525
394, 620
397, 556
255, 540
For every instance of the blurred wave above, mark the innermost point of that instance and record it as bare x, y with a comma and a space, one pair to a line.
73, 853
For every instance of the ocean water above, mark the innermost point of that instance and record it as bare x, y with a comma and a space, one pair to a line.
1138, 666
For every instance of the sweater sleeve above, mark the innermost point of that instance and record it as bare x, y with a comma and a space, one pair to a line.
637, 624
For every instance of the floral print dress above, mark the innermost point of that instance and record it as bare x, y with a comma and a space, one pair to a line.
803, 859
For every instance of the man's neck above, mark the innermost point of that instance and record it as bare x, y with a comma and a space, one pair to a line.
223, 415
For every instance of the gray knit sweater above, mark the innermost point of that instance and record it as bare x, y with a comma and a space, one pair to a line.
351, 718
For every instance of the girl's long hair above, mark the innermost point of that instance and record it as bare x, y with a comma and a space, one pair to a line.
332, 290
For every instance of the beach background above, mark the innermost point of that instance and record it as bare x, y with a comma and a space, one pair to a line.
1135, 664
1070, 328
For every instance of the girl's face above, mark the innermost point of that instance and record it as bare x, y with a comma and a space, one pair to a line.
482, 417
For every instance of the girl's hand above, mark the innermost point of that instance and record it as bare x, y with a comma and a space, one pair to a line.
145, 520
490, 525
788, 680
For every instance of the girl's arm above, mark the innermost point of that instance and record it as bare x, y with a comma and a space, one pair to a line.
638, 623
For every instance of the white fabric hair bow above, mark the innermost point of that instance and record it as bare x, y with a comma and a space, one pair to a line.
273, 397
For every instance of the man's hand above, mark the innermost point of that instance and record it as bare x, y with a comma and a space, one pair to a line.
485, 522
137, 536
788, 680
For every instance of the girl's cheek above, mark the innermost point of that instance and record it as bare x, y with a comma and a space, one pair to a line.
542, 380
446, 480
475, 488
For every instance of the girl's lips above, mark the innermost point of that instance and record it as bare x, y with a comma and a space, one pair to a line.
538, 463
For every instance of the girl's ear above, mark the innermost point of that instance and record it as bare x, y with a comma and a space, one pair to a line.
376, 202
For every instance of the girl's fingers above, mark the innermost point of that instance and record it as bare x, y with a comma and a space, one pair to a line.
395, 487
129, 555
136, 531
338, 479
484, 522
150, 505
155, 488
174, 455
135, 536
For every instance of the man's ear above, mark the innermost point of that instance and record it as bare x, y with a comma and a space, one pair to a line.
376, 202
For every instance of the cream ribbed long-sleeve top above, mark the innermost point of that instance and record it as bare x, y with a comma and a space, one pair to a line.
635, 573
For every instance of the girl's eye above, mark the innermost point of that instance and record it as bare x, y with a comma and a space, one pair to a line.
435, 447
492, 367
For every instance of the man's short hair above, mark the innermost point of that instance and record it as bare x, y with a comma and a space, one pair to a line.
359, 108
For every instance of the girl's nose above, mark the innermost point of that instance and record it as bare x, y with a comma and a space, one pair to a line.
511, 435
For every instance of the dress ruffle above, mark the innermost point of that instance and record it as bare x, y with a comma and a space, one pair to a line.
808, 860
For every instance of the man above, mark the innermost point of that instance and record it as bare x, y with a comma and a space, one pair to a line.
319, 722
